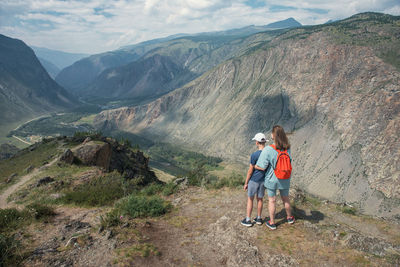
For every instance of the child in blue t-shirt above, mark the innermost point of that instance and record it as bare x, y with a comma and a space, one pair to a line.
255, 183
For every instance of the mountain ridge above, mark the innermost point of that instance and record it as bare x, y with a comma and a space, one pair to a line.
26, 88
309, 80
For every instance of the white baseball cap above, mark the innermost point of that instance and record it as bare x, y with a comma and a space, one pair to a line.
260, 137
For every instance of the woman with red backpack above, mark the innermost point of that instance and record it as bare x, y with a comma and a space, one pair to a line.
276, 161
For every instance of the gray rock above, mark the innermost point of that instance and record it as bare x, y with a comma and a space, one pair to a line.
94, 154
67, 156
44, 180
29, 169
109, 234
125, 225
71, 241
87, 140
11, 177
367, 244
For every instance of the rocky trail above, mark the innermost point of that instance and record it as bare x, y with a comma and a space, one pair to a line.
204, 229
23, 180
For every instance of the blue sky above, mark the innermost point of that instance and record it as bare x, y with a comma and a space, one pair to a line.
93, 26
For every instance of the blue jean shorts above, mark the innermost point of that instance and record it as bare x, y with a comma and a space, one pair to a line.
282, 192
254, 187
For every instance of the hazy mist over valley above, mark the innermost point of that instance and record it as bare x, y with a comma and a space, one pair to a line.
125, 139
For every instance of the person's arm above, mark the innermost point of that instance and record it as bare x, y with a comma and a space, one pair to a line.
262, 162
249, 173
259, 168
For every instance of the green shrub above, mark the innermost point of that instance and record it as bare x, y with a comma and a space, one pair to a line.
10, 219
152, 189
110, 219
100, 191
349, 210
9, 251
93, 135
40, 211
169, 189
141, 206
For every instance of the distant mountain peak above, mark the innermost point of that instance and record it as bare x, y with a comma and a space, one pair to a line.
287, 23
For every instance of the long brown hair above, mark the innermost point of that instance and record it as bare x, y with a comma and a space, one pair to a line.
280, 139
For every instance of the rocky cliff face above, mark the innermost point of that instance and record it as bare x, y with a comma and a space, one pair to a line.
149, 77
336, 94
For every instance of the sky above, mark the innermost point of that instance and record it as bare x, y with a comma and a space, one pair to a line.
94, 26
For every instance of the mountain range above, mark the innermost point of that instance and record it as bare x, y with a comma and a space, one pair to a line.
334, 88
195, 53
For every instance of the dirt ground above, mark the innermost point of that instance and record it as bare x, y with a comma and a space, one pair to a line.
204, 229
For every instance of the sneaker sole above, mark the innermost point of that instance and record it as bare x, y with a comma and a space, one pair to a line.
272, 228
247, 225
259, 223
290, 222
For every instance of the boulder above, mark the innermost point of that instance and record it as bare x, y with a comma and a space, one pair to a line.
67, 156
44, 180
94, 153
29, 169
11, 177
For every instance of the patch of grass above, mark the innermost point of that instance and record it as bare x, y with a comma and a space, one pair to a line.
169, 189
11, 219
315, 202
101, 191
110, 219
137, 250
152, 189
137, 206
40, 211
40, 154
348, 210
233, 181
10, 251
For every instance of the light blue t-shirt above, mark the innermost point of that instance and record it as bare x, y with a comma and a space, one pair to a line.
267, 161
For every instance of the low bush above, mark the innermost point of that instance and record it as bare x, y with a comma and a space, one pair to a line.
169, 189
110, 219
152, 189
40, 211
10, 254
142, 206
11, 219
233, 181
101, 191
349, 210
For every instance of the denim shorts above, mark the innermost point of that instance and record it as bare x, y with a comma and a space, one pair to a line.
282, 192
254, 187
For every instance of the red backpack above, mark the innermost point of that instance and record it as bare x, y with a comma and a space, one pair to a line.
283, 168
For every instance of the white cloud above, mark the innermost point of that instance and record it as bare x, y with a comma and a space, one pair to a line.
93, 26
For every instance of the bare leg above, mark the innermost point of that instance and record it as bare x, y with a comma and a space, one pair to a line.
249, 206
259, 206
286, 203
271, 208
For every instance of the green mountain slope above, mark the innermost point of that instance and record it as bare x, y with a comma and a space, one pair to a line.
25, 87
332, 86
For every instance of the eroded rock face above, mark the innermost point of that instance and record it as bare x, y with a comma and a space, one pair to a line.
340, 102
67, 156
110, 155
94, 153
